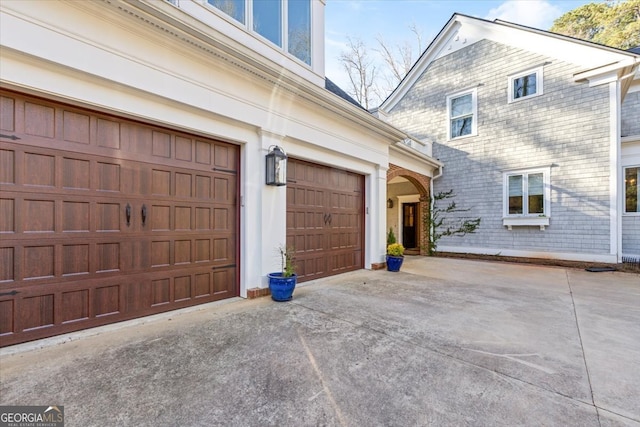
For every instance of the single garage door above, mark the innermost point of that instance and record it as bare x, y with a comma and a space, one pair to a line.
325, 221
104, 219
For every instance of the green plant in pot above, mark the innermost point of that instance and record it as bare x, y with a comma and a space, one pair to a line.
395, 256
283, 283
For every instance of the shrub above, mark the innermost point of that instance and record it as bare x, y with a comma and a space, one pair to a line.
395, 249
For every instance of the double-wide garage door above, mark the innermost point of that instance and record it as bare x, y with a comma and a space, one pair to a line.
325, 219
104, 219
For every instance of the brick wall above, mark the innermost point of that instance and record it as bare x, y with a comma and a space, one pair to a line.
422, 184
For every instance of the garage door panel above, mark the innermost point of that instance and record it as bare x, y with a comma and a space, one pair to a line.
324, 215
7, 166
104, 219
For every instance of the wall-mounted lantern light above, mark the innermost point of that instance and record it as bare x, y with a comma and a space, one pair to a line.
390, 204
276, 166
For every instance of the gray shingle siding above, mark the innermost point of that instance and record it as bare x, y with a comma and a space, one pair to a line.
631, 114
565, 128
631, 235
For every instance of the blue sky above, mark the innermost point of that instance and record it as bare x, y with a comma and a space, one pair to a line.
391, 19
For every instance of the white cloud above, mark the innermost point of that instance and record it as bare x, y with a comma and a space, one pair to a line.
532, 13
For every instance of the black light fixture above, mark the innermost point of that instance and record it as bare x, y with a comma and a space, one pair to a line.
276, 166
390, 204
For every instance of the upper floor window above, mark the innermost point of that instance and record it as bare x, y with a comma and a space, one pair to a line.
266, 17
526, 84
631, 184
267, 20
299, 26
462, 109
233, 8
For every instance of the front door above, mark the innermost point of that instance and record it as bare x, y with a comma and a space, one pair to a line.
409, 222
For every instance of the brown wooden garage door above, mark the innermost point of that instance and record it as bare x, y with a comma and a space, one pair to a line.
325, 221
104, 219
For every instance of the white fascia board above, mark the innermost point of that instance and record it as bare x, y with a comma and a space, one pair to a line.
278, 72
462, 31
193, 30
401, 149
604, 74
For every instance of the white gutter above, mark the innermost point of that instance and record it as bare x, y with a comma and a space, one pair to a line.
412, 152
594, 72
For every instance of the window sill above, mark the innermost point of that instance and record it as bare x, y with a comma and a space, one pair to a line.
471, 135
522, 98
526, 221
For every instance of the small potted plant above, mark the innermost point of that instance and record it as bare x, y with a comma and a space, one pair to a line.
282, 283
395, 256
391, 237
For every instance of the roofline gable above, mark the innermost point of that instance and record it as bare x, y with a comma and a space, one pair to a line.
463, 30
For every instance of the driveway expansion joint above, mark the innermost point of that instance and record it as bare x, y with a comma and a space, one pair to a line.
584, 358
409, 341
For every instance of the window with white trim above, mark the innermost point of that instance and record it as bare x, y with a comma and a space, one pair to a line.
527, 197
285, 23
462, 110
233, 8
525, 85
631, 185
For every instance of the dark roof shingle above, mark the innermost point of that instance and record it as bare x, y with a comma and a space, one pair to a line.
334, 88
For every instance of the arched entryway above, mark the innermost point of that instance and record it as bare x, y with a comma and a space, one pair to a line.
407, 207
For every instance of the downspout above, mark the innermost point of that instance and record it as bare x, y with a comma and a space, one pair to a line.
438, 175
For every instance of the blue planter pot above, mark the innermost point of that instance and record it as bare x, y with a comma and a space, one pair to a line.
394, 262
282, 287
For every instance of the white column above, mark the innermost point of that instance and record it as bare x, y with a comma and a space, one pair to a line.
616, 182
272, 213
252, 177
376, 217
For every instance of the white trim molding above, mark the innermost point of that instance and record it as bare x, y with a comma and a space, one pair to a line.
474, 112
525, 219
616, 181
412, 198
521, 253
538, 72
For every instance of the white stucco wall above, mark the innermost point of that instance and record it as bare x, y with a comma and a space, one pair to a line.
94, 55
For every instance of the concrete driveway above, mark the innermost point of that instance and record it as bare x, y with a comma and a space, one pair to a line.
444, 342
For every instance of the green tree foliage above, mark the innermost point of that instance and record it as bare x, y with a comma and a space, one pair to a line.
612, 23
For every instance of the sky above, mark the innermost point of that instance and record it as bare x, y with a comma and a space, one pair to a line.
391, 19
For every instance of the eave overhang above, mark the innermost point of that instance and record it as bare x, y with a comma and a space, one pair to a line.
192, 31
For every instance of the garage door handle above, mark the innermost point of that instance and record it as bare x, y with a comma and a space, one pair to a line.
144, 214
127, 213
9, 293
